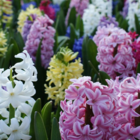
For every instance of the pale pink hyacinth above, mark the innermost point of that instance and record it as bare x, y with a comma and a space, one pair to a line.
115, 52
80, 6
41, 31
84, 117
89, 111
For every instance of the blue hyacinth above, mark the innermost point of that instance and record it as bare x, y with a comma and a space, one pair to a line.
77, 47
56, 7
26, 5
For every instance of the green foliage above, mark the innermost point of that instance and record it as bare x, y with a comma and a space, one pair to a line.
36, 107
137, 24
138, 69
43, 126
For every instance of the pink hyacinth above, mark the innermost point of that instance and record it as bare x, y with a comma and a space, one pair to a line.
94, 111
115, 52
80, 6
41, 32
89, 113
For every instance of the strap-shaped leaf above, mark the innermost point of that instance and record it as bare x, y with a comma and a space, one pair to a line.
55, 134
39, 127
46, 116
36, 107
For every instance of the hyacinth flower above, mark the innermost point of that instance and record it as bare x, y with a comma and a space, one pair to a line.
16, 91
93, 14
107, 20
94, 111
80, 6
3, 43
77, 47
63, 66
27, 26
47, 9
114, 52
41, 32
88, 111
5, 11
24, 14
132, 11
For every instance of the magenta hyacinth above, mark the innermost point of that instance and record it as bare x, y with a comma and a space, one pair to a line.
94, 111
41, 32
27, 26
80, 6
115, 52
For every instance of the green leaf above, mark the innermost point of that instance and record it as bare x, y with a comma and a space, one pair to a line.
73, 36
92, 53
17, 4
103, 77
46, 116
8, 57
36, 107
62, 43
80, 25
72, 17
57, 115
19, 41
60, 24
38, 2
55, 134
85, 57
39, 127
11, 113
137, 24
138, 69
39, 85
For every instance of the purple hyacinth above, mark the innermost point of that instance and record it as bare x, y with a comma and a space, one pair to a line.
27, 26
107, 20
125, 9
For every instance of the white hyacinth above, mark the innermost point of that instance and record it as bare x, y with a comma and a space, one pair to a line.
57, 1
94, 13
17, 89
134, 8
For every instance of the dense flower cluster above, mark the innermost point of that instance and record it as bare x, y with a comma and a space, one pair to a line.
56, 8
80, 6
3, 43
41, 32
94, 13
27, 26
47, 9
107, 20
5, 11
62, 66
94, 111
114, 52
132, 10
17, 92
24, 14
